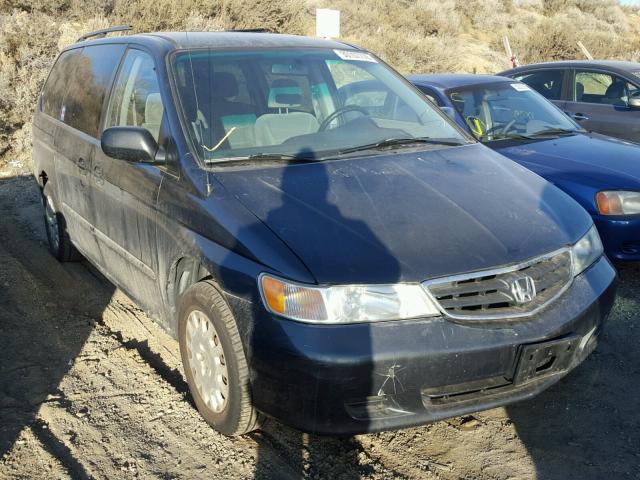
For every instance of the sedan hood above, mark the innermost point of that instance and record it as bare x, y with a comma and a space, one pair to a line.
409, 216
591, 159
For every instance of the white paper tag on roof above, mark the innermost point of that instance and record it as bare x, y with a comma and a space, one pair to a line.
355, 55
521, 87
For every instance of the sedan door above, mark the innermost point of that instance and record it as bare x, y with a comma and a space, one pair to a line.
599, 103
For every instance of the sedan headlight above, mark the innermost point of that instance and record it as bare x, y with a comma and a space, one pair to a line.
616, 202
586, 251
344, 304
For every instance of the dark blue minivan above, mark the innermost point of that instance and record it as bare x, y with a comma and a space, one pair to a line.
340, 261
601, 173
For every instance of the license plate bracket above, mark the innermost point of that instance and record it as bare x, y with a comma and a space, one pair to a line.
545, 359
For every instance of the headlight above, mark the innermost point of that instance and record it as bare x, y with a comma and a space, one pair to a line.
344, 304
618, 203
586, 251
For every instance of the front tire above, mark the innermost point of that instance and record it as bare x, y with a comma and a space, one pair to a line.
214, 361
60, 244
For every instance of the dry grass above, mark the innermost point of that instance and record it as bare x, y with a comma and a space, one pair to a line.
412, 35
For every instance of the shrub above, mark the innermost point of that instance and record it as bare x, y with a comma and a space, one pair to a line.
412, 35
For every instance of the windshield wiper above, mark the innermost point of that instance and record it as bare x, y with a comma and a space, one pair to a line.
396, 142
553, 132
263, 156
550, 132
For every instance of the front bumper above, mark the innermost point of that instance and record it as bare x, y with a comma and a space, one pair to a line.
620, 237
368, 377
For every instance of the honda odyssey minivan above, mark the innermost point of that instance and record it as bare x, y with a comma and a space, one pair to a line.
340, 261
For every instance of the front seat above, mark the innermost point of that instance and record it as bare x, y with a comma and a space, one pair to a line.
616, 94
579, 91
227, 114
275, 128
153, 111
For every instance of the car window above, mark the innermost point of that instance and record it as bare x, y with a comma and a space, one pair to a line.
57, 84
240, 103
356, 86
367, 93
546, 82
430, 95
90, 77
603, 88
504, 110
136, 100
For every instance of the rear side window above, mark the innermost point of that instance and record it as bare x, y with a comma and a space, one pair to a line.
90, 79
546, 82
57, 83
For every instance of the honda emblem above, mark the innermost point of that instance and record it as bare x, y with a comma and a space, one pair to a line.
523, 289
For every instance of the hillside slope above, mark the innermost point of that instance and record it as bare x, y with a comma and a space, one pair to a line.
413, 36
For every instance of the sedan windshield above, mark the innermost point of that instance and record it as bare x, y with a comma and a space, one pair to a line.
303, 103
504, 110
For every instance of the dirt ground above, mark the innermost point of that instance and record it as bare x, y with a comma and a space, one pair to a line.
91, 388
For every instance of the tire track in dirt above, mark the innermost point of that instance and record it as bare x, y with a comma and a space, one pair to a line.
91, 388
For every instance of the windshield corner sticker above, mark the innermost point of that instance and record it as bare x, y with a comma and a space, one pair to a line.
521, 87
355, 55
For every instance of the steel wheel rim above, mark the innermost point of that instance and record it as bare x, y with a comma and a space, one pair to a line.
51, 221
207, 361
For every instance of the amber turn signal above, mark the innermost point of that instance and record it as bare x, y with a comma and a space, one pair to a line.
609, 203
274, 295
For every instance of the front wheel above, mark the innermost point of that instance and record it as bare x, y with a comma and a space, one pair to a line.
214, 361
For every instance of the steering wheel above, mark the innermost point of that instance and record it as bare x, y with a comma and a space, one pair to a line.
501, 129
341, 111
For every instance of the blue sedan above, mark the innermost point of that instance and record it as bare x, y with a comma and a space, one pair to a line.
601, 173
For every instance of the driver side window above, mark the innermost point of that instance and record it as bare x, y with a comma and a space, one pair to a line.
136, 100
603, 88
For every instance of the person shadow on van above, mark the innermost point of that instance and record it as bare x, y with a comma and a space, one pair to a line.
302, 205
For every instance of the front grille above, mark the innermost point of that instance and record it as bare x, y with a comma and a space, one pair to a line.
510, 292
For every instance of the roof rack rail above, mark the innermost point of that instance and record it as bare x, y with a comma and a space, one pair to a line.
103, 32
251, 30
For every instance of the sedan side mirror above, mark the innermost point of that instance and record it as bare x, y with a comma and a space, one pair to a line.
634, 100
133, 144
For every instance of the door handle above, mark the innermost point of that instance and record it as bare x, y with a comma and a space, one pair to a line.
579, 116
99, 174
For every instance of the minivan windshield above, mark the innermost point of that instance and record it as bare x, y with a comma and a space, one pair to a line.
300, 103
502, 111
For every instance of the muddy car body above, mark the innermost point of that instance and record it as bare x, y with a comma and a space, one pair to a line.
341, 269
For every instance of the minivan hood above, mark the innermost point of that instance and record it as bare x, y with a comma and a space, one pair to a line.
592, 159
409, 216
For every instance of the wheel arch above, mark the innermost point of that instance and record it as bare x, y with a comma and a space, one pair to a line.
184, 272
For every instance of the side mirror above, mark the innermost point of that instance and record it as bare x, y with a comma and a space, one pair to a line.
634, 100
449, 112
133, 144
